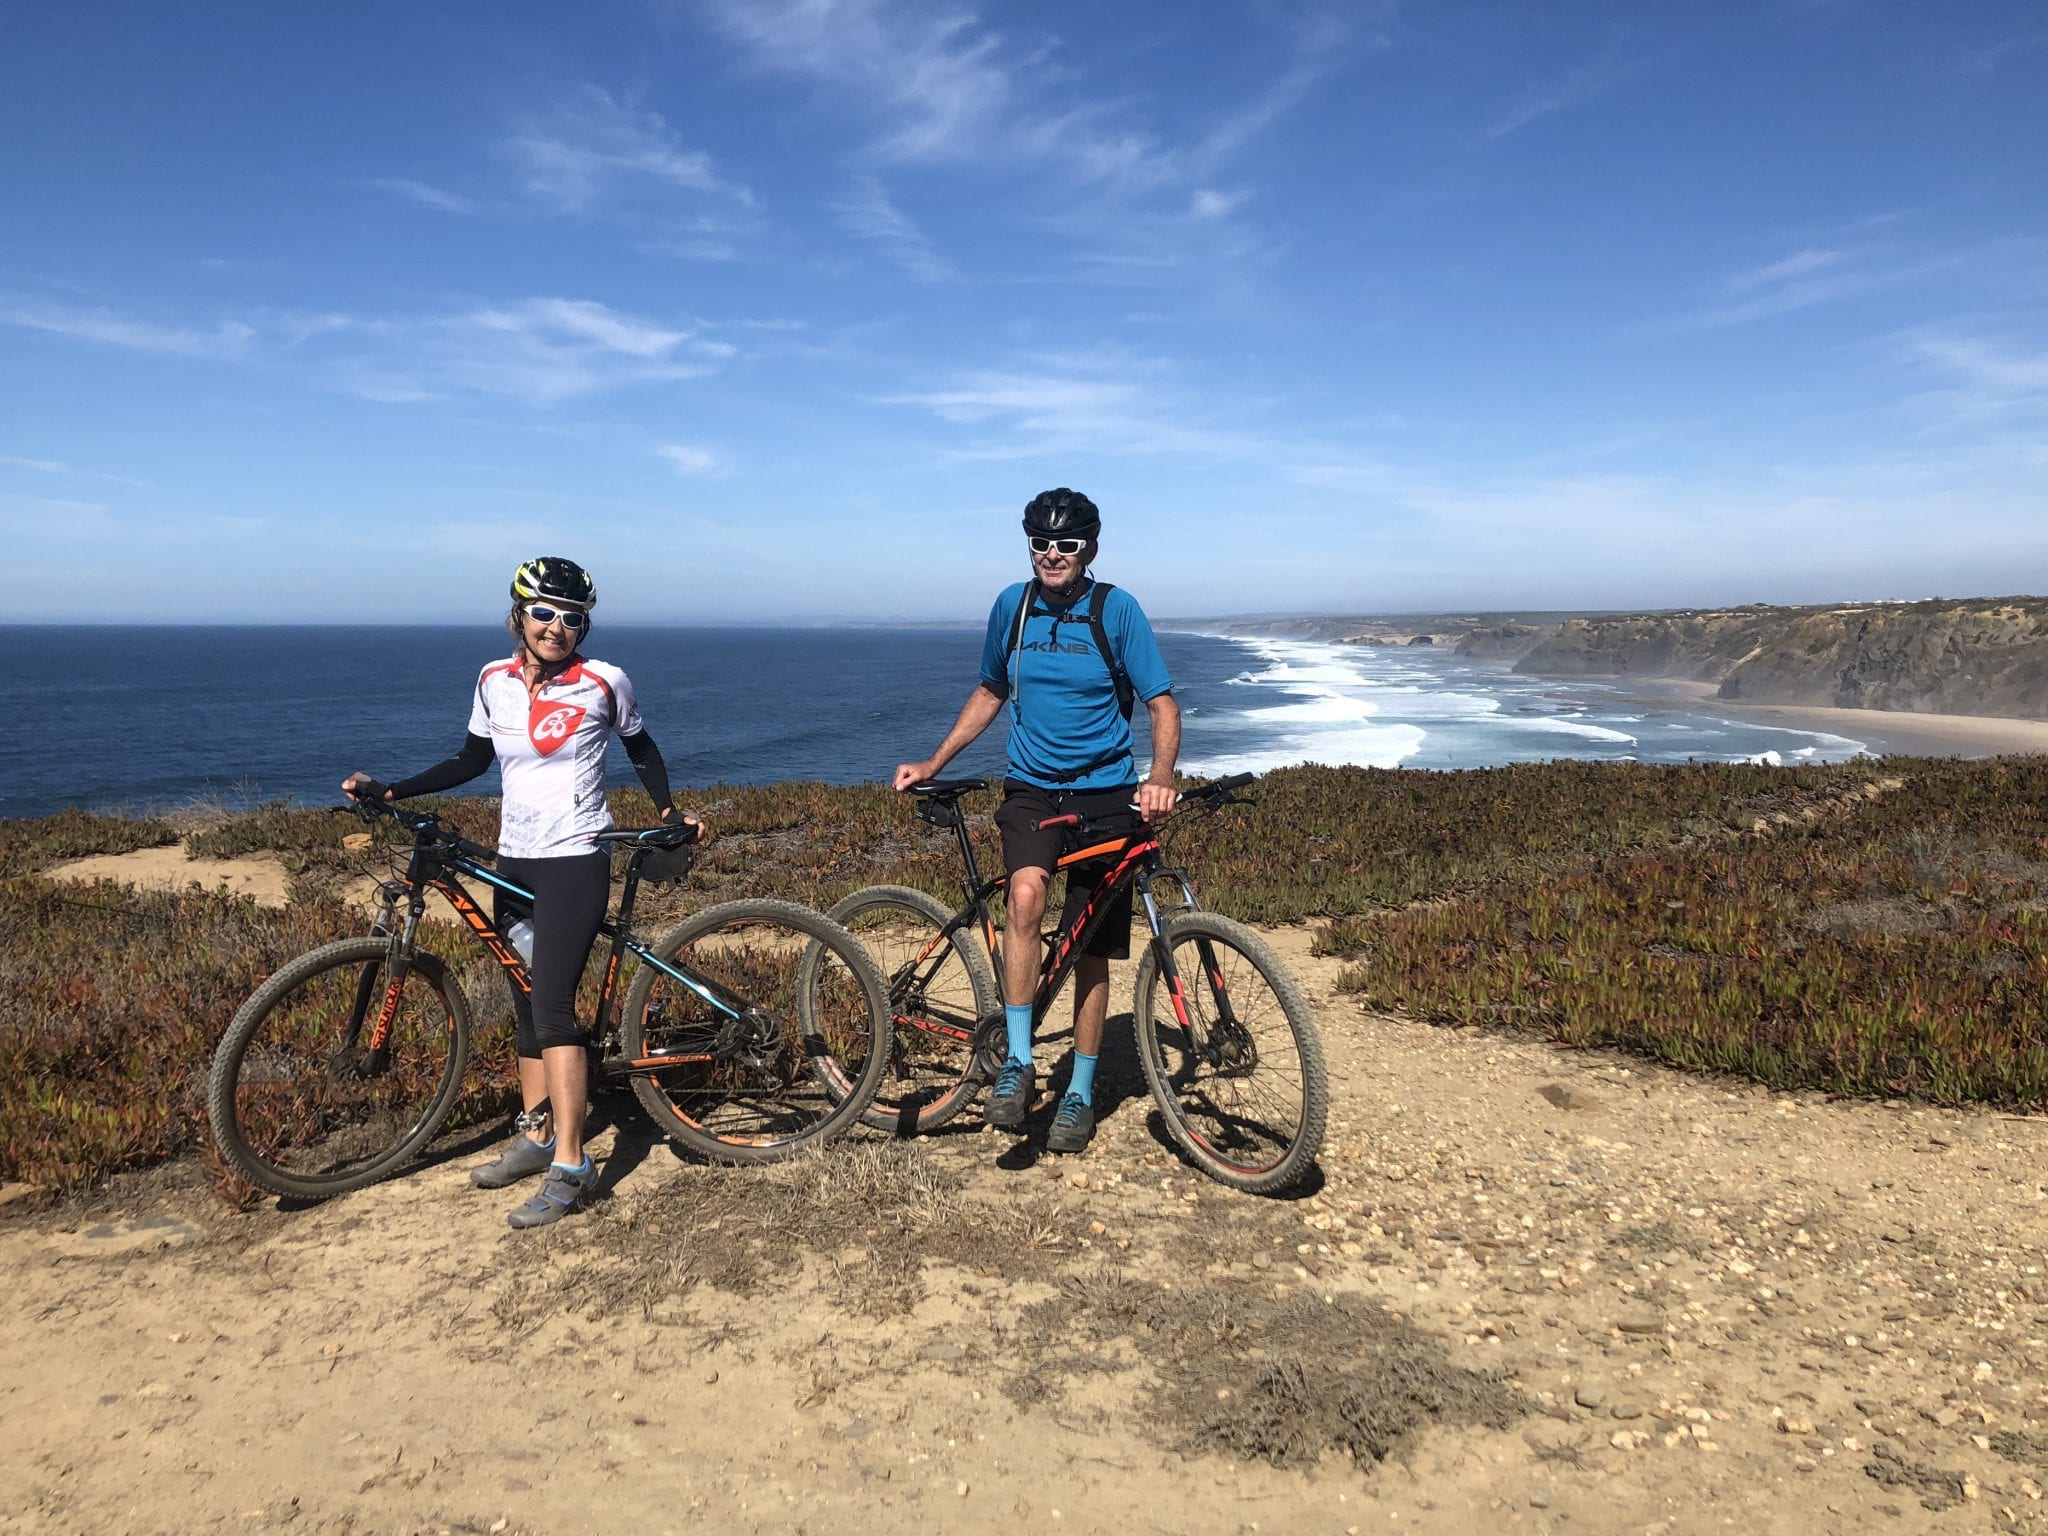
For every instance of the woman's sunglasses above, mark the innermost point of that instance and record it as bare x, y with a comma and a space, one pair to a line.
572, 618
1057, 546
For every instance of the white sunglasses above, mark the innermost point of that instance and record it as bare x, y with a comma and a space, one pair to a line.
1057, 546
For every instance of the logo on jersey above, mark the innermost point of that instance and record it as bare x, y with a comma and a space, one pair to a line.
550, 724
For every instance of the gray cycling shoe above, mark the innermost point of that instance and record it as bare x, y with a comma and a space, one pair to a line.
562, 1191
522, 1158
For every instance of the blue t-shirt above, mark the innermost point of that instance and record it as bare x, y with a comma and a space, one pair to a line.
1064, 718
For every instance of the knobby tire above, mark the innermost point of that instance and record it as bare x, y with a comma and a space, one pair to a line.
937, 998
816, 1047
296, 1110
1254, 1119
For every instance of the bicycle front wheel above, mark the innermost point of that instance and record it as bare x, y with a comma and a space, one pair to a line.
334, 1073
770, 1036
941, 987
1231, 1054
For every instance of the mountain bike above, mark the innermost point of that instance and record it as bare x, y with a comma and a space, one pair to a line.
749, 1032
1226, 1040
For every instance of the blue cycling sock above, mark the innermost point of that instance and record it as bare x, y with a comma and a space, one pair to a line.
1084, 1078
582, 1170
1018, 1017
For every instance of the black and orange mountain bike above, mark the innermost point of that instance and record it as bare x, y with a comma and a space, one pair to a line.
750, 1031
1226, 1040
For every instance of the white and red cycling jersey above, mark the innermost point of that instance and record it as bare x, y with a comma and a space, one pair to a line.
551, 748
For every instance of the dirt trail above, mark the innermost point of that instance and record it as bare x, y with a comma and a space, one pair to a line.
1717, 1310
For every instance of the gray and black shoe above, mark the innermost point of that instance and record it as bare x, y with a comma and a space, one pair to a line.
562, 1191
1073, 1126
522, 1158
1010, 1100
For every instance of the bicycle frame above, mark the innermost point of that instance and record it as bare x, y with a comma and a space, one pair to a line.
1141, 863
435, 867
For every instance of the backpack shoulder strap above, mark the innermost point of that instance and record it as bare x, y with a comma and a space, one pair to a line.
1024, 606
1126, 695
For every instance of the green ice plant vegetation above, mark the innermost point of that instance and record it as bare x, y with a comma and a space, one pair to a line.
1872, 927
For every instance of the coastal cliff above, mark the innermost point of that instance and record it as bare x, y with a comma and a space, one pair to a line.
1984, 656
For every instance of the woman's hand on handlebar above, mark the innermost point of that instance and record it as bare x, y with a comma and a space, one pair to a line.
360, 780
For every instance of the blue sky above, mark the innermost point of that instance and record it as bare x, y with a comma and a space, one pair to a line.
783, 308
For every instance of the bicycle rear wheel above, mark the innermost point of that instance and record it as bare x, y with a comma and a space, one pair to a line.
774, 1042
1231, 1054
299, 1101
941, 986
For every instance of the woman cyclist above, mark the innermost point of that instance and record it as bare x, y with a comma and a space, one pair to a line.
545, 714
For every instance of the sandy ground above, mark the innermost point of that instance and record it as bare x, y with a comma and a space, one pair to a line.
1881, 730
1713, 1309
261, 876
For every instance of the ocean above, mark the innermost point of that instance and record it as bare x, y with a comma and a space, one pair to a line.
151, 718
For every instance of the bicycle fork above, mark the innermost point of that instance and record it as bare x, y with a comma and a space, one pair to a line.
353, 1057
1229, 1036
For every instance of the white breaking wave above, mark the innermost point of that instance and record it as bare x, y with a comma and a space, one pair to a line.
1324, 702
1567, 727
1385, 746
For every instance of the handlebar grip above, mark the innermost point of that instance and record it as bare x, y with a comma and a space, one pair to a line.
1068, 820
1234, 781
369, 792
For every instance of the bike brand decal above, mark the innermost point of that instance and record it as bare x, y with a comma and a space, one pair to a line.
549, 724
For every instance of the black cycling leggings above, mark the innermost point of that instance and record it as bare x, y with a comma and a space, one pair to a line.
569, 896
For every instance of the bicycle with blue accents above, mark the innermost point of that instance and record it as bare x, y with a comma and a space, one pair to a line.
749, 1032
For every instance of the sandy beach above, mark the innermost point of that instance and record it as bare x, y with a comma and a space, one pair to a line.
1881, 730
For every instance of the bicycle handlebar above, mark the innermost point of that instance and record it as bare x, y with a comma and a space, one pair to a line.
1215, 793
368, 796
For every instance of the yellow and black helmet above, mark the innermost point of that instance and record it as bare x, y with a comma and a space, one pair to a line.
550, 578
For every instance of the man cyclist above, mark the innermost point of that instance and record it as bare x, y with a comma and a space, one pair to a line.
1070, 656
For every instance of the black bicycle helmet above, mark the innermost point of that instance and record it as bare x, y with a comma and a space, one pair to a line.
1062, 514
550, 578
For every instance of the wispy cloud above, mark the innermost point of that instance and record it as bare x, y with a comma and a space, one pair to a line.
425, 195
1575, 89
1799, 264
867, 211
227, 339
691, 461
57, 467
1208, 203
1985, 380
590, 145
1075, 404
1802, 280
939, 81
542, 351
944, 88
1985, 61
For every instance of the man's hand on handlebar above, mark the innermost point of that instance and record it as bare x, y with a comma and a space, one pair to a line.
1155, 801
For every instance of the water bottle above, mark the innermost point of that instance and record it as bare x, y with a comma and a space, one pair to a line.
520, 937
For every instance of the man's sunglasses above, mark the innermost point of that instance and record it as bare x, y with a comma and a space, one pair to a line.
1057, 546
572, 618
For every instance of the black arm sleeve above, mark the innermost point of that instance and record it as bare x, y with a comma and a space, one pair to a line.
646, 759
476, 756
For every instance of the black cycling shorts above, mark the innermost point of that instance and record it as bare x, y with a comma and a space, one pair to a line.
569, 896
1026, 847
